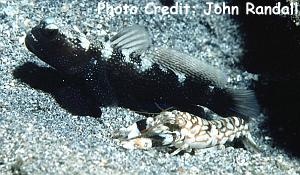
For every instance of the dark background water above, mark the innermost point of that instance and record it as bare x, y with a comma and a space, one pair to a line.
273, 52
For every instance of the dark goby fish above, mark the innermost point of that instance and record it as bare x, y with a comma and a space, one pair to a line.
125, 67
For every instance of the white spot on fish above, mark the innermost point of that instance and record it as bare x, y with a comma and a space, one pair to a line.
163, 68
95, 62
181, 77
145, 64
68, 34
84, 43
211, 88
107, 50
126, 53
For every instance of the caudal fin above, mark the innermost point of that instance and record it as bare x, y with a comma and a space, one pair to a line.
244, 102
239, 102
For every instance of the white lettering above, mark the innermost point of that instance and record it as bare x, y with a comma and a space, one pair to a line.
149, 8
177, 9
117, 10
250, 8
221, 9
209, 9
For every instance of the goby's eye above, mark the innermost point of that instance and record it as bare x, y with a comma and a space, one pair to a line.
49, 29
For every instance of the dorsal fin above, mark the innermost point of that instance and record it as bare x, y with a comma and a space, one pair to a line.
134, 38
183, 63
